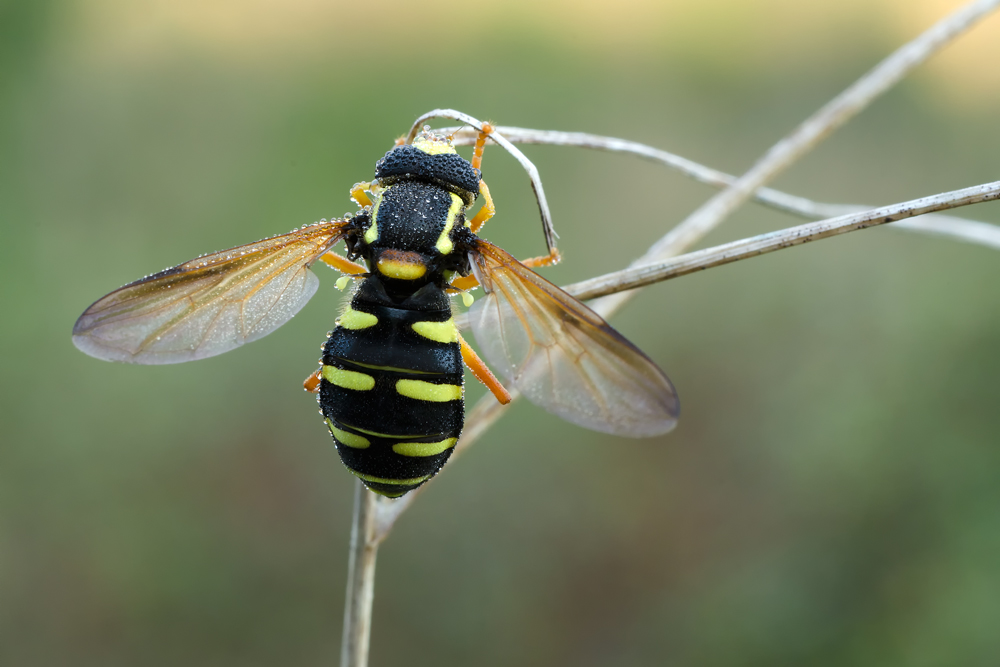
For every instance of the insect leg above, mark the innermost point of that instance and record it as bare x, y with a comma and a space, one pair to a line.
343, 264
312, 382
464, 283
545, 260
477, 153
359, 196
482, 373
468, 282
487, 211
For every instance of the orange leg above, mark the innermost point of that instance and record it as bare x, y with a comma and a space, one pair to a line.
487, 211
312, 382
545, 260
465, 283
343, 264
477, 153
359, 196
483, 373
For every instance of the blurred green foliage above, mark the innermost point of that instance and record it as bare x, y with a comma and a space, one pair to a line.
831, 496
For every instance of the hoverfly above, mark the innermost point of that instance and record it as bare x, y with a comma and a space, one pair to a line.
390, 384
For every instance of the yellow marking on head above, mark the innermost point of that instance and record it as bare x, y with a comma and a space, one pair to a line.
384, 480
349, 439
401, 270
432, 144
371, 234
427, 391
444, 244
440, 332
423, 448
356, 319
348, 379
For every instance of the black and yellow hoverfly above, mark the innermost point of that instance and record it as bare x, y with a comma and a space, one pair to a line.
390, 384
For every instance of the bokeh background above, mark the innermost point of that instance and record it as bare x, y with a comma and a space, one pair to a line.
831, 495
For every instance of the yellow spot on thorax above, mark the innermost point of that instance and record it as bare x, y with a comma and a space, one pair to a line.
444, 244
440, 332
428, 391
371, 234
401, 270
356, 319
348, 379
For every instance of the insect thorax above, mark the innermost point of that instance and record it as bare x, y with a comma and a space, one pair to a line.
418, 216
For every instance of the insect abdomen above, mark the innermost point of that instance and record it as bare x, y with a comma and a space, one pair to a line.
391, 387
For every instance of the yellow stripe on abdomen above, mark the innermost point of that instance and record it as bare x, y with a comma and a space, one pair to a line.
356, 319
439, 332
428, 391
348, 379
384, 480
423, 448
346, 438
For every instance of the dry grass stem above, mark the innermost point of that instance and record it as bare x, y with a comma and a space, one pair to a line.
820, 125
479, 420
528, 165
960, 229
648, 274
360, 580
373, 520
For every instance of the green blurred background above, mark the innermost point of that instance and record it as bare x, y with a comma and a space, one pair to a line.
831, 495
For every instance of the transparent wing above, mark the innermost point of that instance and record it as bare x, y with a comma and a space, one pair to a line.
209, 305
562, 355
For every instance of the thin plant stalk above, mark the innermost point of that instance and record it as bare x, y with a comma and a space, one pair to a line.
961, 229
360, 580
805, 137
488, 410
820, 125
647, 274
498, 138
845, 106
